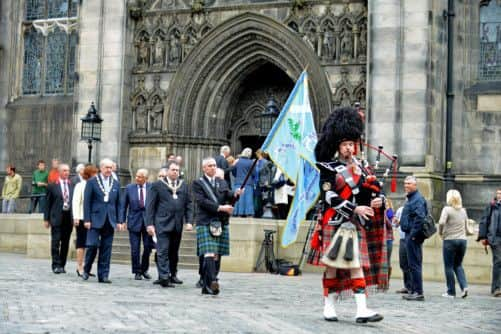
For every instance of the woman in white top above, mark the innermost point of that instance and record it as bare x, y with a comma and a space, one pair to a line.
452, 229
78, 208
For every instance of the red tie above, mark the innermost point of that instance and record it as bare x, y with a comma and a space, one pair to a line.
141, 197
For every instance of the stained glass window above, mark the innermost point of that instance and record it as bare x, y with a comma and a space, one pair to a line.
50, 50
490, 40
32, 71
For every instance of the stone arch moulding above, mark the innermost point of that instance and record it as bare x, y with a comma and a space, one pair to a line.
201, 84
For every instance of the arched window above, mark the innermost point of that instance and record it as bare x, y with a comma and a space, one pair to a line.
50, 41
490, 40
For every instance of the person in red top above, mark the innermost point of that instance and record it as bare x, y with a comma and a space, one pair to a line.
54, 171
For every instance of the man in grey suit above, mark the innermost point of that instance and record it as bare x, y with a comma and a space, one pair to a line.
168, 206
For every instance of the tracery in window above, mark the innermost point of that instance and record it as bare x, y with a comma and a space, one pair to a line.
490, 40
32, 70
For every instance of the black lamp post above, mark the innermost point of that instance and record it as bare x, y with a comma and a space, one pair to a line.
268, 116
91, 128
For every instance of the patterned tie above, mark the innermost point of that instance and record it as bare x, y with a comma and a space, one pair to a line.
141, 197
65, 193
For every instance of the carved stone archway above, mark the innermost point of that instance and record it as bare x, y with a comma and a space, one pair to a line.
203, 86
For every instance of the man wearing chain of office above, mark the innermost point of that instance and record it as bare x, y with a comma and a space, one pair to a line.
349, 236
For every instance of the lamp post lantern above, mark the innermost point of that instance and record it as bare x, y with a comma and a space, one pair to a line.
268, 116
91, 128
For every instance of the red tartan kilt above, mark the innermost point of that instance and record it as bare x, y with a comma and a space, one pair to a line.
328, 232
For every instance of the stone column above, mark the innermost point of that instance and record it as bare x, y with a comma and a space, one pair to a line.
397, 88
100, 69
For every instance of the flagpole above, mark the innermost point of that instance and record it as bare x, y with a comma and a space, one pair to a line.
245, 180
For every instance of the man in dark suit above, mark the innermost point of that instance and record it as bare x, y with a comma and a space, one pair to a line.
223, 164
168, 206
132, 211
58, 217
213, 198
101, 206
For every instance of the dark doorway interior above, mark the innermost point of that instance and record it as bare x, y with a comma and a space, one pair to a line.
254, 142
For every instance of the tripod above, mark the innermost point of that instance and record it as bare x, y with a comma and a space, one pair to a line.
266, 253
311, 228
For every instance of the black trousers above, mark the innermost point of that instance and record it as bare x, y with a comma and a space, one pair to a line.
404, 264
101, 238
415, 260
60, 240
168, 253
140, 264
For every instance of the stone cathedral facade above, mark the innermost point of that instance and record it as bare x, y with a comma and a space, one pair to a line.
187, 76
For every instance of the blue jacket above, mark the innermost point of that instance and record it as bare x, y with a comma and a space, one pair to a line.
96, 210
130, 209
413, 215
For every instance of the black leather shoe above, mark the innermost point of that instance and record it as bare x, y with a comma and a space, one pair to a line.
138, 277
56, 270
166, 283
214, 286
92, 275
146, 275
105, 280
199, 284
210, 290
78, 274
85, 276
61, 269
413, 297
375, 318
158, 281
175, 280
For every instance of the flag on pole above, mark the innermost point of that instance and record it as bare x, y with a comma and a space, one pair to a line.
291, 144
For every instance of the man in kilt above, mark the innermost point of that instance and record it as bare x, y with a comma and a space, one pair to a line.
212, 196
349, 239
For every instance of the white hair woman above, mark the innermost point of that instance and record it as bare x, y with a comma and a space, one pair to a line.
452, 228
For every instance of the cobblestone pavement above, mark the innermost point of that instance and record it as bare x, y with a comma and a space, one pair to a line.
34, 300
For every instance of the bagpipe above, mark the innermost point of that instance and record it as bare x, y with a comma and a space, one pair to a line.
372, 184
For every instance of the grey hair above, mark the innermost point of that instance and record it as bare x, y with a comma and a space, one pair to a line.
79, 168
247, 152
411, 178
61, 166
105, 161
205, 161
142, 171
225, 148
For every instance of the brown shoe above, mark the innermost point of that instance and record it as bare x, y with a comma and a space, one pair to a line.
214, 286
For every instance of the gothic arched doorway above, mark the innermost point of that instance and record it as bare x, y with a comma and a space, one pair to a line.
249, 101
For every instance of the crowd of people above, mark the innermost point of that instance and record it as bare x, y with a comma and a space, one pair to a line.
353, 238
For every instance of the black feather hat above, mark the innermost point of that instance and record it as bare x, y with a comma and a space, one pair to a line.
344, 123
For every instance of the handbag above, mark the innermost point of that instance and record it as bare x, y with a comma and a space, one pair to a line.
215, 228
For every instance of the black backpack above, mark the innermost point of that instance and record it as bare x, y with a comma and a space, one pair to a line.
429, 226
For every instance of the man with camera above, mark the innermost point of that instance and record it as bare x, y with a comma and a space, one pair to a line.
213, 198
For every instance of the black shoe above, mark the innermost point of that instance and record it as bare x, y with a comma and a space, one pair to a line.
85, 276
78, 274
56, 270
146, 275
92, 275
158, 281
138, 277
199, 284
165, 282
375, 318
105, 280
413, 297
214, 286
207, 291
61, 269
175, 280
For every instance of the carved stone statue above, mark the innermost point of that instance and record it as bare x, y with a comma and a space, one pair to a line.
142, 54
347, 46
189, 44
159, 52
328, 46
175, 51
362, 44
344, 99
311, 38
157, 112
141, 115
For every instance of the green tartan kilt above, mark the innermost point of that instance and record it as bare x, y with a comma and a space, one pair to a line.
206, 243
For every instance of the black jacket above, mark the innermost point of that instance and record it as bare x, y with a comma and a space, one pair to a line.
54, 206
166, 213
490, 224
206, 207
